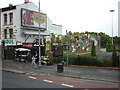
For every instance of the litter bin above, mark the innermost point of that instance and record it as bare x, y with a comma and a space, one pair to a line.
60, 68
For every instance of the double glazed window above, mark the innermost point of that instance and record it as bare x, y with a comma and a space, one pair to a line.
11, 33
5, 33
11, 18
5, 19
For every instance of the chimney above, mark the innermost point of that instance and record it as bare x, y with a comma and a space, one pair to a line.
26, 1
10, 5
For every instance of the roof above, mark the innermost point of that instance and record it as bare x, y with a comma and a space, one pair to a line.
76, 35
11, 7
57, 25
8, 8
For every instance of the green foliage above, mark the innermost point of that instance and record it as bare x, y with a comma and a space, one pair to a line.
69, 33
57, 38
58, 59
83, 60
93, 51
116, 40
118, 49
109, 47
52, 37
106, 62
104, 39
115, 59
76, 33
80, 60
86, 32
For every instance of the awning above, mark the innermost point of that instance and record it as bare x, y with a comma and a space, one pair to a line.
22, 49
35, 33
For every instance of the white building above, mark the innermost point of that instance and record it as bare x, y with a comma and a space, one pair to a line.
19, 27
12, 24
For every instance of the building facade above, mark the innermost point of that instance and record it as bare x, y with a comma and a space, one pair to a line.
19, 25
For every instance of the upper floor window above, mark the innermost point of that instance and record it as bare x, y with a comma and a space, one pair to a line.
11, 33
5, 33
11, 18
5, 19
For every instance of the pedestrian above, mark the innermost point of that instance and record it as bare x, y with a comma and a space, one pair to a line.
33, 62
37, 58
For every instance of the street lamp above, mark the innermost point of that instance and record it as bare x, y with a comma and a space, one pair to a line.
39, 39
67, 48
112, 24
50, 40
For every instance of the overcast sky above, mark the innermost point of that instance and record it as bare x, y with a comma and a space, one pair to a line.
78, 15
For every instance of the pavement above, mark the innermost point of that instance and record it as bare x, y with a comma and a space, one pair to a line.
88, 73
107, 55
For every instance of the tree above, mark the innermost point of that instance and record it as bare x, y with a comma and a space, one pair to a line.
93, 51
69, 33
76, 33
58, 38
104, 39
115, 59
116, 40
52, 37
109, 47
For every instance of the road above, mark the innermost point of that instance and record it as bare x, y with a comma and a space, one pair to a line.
12, 80
109, 75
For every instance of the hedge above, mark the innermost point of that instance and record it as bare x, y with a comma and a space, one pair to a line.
83, 60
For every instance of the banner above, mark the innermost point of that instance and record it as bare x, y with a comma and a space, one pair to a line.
33, 19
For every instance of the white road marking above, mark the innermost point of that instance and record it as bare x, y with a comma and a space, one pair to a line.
32, 77
67, 85
48, 81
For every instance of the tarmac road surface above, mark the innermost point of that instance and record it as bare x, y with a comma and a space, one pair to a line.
12, 80
72, 82
76, 72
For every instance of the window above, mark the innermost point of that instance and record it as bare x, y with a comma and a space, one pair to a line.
11, 18
11, 33
5, 19
5, 33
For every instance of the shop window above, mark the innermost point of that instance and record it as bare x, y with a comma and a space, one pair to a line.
5, 33
5, 19
11, 18
11, 33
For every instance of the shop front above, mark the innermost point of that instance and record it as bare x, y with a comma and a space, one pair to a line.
8, 51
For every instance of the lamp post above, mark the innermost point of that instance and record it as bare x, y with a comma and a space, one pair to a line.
67, 47
50, 40
39, 38
112, 24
